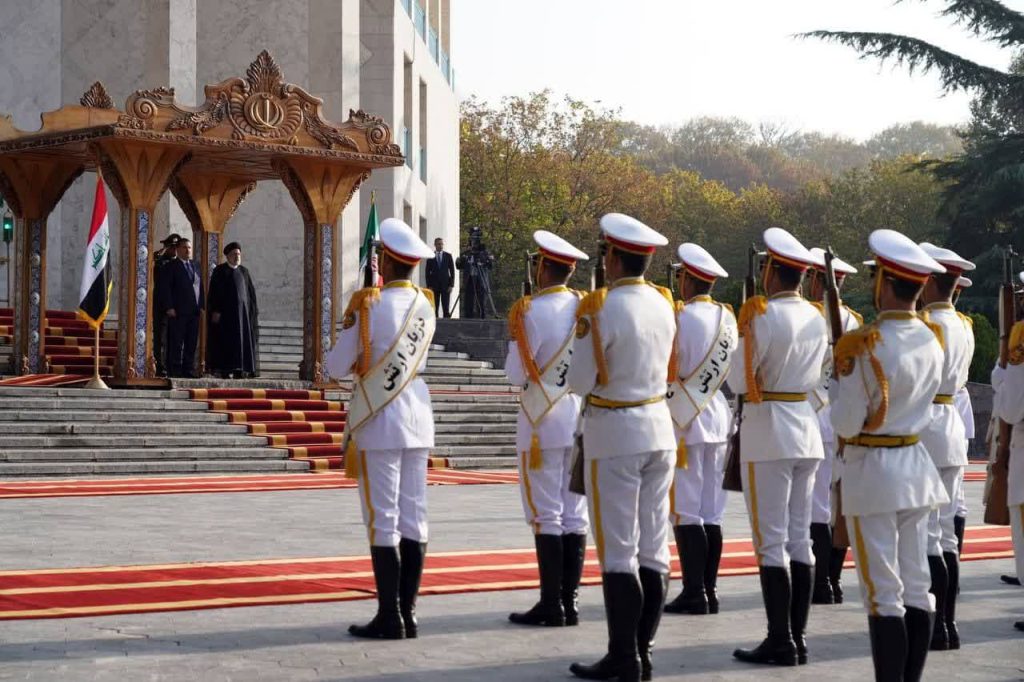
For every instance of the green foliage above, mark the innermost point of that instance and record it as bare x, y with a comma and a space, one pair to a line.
986, 348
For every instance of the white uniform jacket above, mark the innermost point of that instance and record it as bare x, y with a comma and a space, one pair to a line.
880, 480
944, 436
1008, 384
637, 326
698, 323
850, 322
549, 321
965, 408
407, 421
789, 352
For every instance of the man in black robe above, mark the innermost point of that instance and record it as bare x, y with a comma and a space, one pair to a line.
232, 348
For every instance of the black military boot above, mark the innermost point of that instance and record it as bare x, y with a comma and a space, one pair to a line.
387, 624
778, 648
959, 527
952, 590
623, 603
714, 535
412, 554
940, 582
574, 552
548, 611
888, 647
800, 606
836, 559
821, 545
655, 589
692, 544
919, 633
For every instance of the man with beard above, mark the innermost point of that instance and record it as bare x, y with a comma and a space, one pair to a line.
233, 343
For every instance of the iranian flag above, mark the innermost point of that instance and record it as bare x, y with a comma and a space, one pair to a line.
94, 295
371, 235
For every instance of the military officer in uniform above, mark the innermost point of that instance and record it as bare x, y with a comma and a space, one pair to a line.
542, 330
620, 365
828, 560
783, 340
705, 341
945, 438
886, 376
1008, 383
390, 430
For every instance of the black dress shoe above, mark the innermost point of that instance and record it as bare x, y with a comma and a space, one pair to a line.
1019, 625
1010, 580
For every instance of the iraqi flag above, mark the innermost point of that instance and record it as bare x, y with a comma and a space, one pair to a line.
94, 295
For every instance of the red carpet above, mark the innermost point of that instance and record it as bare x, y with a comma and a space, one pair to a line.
108, 590
153, 485
46, 380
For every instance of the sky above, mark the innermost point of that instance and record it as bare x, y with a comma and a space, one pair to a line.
662, 62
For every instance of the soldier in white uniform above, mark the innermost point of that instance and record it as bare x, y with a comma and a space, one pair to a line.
1008, 383
887, 375
945, 438
783, 340
828, 560
962, 401
620, 365
705, 341
542, 328
384, 341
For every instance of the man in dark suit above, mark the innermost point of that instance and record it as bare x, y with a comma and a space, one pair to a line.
441, 277
182, 302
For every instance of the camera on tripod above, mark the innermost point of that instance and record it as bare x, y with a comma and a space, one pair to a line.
475, 262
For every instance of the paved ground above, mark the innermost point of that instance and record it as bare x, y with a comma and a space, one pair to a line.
463, 637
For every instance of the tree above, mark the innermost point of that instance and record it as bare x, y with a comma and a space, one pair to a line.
983, 197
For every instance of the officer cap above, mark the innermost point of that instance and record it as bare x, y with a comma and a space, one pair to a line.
841, 267
901, 257
949, 259
557, 249
786, 249
171, 239
629, 234
401, 243
698, 262
964, 282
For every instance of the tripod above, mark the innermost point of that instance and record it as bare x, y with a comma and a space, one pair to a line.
479, 296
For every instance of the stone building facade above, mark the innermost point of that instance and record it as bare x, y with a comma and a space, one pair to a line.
387, 57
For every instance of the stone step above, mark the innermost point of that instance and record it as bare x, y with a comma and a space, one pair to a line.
221, 466
471, 462
444, 370
457, 419
119, 441
99, 404
504, 427
137, 454
47, 392
463, 439
475, 450
113, 429
72, 416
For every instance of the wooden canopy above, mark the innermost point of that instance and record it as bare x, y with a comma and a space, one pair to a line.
210, 157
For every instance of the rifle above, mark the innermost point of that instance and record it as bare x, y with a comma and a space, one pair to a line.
528, 280
670, 279
369, 279
576, 478
731, 478
997, 511
833, 308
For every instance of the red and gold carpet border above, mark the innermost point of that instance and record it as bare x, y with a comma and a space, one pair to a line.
109, 590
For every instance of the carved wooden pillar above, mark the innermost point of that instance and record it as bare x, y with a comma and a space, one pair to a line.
208, 201
138, 175
321, 190
32, 188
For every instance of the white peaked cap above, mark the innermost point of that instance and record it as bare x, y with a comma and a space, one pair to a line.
949, 259
840, 266
401, 241
629, 234
964, 282
787, 249
901, 256
1021, 276
699, 263
556, 248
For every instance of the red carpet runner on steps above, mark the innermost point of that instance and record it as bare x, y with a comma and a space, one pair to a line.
108, 590
69, 344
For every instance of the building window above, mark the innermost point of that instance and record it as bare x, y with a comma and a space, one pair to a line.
407, 148
420, 20
423, 131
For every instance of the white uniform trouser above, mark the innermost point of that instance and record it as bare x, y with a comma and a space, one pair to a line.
890, 551
393, 492
628, 498
1017, 531
549, 506
778, 495
941, 527
696, 495
821, 500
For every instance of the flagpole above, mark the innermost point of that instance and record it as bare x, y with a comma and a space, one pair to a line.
97, 381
